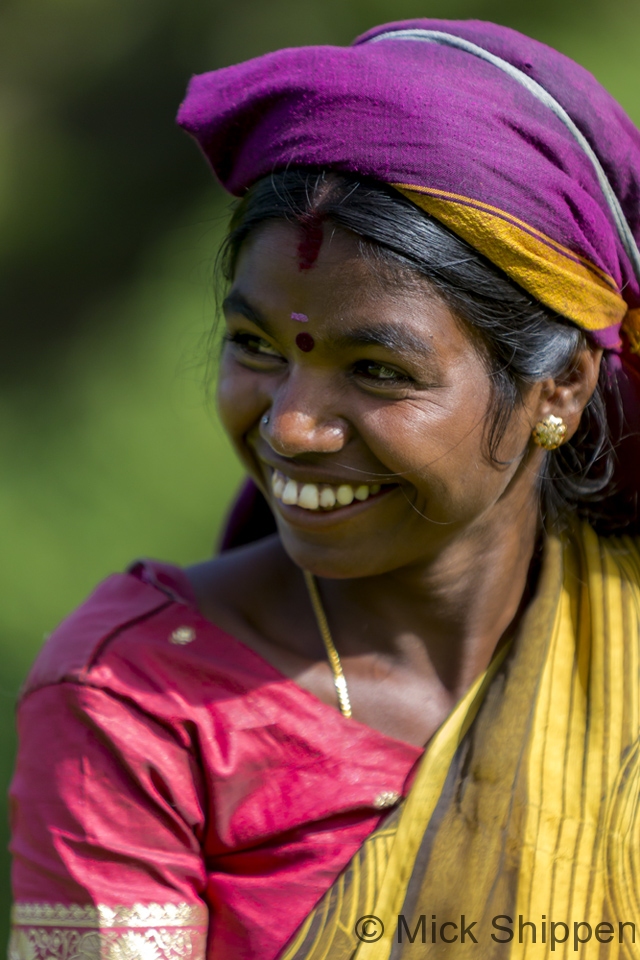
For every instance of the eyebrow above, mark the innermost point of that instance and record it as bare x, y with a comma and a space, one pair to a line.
236, 303
390, 336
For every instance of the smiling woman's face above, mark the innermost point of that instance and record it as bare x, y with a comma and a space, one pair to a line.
374, 456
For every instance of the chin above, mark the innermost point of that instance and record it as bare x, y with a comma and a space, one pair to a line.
336, 560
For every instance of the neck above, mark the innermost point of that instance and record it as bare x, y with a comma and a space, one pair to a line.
450, 612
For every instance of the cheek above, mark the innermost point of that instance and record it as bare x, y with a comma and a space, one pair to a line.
421, 437
440, 450
240, 399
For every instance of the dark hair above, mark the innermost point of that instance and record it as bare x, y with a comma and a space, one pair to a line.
524, 341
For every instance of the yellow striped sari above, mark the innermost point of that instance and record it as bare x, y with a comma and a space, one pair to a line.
520, 838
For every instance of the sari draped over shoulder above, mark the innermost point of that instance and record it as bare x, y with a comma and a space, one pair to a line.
521, 834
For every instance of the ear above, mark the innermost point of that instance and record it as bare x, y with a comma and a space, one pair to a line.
566, 396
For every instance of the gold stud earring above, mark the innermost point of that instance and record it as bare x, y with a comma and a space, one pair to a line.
549, 433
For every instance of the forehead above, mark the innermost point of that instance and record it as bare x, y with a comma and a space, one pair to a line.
280, 250
343, 282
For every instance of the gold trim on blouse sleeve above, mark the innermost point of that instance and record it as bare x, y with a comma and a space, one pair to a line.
151, 931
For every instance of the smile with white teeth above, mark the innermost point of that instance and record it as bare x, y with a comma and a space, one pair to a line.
314, 496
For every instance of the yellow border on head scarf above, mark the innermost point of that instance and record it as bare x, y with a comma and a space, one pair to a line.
554, 275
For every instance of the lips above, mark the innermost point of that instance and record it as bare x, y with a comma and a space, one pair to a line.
321, 497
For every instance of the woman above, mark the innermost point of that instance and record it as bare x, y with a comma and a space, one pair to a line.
431, 317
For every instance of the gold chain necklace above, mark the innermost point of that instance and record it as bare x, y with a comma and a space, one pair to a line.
334, 659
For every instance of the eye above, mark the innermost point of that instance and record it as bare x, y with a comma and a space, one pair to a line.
253, 346
380, 373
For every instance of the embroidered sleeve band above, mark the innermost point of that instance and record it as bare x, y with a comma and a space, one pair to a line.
153, 931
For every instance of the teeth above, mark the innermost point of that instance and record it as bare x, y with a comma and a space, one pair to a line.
327, 498
290, 492
344, 495
310, 496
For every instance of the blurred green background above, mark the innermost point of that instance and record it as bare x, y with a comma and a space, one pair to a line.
109, 224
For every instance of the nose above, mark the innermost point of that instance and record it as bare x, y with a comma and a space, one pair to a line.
300, 421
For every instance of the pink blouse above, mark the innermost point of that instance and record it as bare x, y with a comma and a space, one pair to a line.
174, 792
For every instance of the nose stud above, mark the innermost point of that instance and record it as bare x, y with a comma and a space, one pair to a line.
265, 419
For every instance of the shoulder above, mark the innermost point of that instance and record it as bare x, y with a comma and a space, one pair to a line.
144, 620
141, 636
120, 601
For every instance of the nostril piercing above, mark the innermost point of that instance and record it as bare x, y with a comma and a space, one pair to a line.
265, 419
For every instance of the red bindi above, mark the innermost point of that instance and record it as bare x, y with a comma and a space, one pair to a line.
309, 246
305, 342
